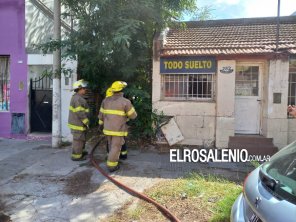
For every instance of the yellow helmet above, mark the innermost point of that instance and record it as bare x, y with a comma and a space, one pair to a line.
109, 92
118, 86
80, 84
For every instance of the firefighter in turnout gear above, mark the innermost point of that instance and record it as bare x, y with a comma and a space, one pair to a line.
123, 151
78, 120
114, 112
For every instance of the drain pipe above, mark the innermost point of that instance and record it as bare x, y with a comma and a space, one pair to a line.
278, 26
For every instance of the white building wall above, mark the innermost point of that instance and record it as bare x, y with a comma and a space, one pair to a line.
196, 120
264, 99
156, 81
276, 118
212, 123
66, 94
225, 103
66, 85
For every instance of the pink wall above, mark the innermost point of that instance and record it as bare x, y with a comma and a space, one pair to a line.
12, 44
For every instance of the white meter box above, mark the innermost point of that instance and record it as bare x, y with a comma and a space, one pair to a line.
172, 132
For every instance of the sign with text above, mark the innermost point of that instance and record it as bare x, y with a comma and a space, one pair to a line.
187, 65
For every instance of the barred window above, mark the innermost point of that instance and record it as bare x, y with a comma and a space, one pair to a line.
292, 82
188, 86
4, 83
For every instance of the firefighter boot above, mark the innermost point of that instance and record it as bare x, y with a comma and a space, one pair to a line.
123, 152
113, 169
79, 157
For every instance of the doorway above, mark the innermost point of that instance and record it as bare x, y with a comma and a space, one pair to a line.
41, 104
248, 98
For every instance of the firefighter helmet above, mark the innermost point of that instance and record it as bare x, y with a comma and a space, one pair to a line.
109, 92
80, 84
117, 86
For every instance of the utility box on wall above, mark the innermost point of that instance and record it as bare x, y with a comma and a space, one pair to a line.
18, 123
172, 132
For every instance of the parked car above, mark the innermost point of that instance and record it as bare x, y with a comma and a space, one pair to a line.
269, 193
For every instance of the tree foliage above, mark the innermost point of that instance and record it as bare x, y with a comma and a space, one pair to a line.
113, 41
113, 38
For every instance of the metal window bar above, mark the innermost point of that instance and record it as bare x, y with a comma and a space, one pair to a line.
2, 84
202, 94
42, 83
188, 87
5, 83
292, 89
292, 83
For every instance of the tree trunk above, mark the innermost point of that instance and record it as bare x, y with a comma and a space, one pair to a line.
56, 100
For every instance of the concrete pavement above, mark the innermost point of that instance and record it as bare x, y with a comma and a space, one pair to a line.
39, 183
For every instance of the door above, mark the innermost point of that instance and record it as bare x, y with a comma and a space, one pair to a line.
247, 99
41, 104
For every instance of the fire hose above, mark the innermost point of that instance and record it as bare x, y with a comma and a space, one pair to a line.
162, 209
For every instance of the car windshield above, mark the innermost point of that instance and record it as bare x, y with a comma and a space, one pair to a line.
279, 174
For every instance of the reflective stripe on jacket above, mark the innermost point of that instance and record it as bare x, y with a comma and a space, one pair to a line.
114, 113
78, 113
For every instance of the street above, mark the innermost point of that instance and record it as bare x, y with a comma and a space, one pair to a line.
39, 183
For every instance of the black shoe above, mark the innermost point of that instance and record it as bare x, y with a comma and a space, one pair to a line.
123, 157
113, 169
79, 159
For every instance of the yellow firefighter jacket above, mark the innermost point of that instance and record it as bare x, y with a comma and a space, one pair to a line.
78, 114
114, 113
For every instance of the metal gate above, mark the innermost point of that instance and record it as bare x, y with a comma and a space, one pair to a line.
41, 104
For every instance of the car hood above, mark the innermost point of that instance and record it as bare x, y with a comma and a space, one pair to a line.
260, 201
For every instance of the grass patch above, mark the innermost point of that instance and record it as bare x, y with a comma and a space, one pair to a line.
223, 208
135, 213
191, 198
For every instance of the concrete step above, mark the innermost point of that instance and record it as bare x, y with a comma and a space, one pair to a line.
259, 150
245, 146
251, 140
255, 145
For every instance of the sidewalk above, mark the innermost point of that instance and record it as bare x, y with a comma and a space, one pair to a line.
39, 183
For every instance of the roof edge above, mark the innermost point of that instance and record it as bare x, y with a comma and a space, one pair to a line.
241, 21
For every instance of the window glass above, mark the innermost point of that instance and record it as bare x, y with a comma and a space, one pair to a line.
4, 83
292, 82
188, 86
282, 169
292, 65
246, 81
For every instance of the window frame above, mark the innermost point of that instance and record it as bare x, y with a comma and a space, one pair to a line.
187, 96
291, 98
5, 78
247, 82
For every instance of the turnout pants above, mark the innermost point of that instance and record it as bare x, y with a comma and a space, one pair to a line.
78, 145
114, 144
123, 151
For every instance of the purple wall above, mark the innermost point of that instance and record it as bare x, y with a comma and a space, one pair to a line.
12, 43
